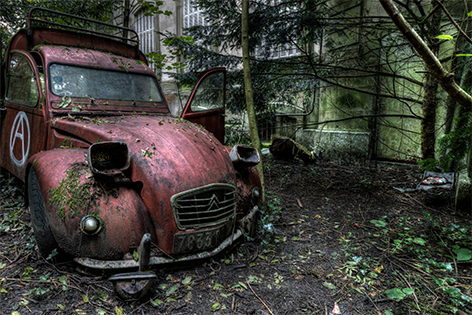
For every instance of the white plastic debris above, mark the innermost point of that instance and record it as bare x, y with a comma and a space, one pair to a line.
336, 309
269, 227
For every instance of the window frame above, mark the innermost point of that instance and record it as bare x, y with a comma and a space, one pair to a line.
33, 79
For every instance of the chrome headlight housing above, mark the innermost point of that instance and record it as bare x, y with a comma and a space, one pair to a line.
90, 225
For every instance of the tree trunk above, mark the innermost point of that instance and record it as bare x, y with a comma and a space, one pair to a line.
428, 123
465, 81
126, 10
376, 110
430, 99
433, 64
251, 114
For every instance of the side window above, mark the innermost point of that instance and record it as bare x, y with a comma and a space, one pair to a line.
209, 94
22, 87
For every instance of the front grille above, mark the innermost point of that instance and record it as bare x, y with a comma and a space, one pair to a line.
204, 206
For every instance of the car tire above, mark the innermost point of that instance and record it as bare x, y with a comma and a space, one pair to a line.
42, 230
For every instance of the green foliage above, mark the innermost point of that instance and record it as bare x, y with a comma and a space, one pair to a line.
268, 216
463, 254
379, 223
236, 132
152, 7
433, 258
447, 37
71, 195
398, 294
275, 82
428, 164
455, 145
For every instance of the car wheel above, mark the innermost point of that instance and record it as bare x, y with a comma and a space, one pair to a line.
42, 230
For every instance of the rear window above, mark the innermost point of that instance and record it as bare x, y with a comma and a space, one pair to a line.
76, 81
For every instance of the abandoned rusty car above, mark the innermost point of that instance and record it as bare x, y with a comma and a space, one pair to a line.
112, 178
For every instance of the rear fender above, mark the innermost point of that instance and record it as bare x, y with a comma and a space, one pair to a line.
70, 193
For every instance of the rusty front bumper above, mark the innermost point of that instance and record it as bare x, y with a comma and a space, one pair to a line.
245, 224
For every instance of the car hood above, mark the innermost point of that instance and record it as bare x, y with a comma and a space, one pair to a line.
166, 150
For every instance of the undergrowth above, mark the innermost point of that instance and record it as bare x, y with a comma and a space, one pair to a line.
421, 263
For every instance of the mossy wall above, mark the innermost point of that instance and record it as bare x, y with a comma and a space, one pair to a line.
398, 138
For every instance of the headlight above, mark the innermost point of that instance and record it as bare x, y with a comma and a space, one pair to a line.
108, 158
90, 225
244, 155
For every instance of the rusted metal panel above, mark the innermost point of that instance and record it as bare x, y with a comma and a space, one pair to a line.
91, 58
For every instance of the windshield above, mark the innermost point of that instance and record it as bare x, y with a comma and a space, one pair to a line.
103, 84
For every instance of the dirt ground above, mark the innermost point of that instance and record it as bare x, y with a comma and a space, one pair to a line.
333, 233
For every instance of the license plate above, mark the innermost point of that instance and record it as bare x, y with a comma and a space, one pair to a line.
201, 240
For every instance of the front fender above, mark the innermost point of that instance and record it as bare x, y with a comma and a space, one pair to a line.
246, 181
70, 192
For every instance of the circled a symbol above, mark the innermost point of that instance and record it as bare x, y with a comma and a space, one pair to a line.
20, 138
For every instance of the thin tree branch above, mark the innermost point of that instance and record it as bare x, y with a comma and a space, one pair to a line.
459, 29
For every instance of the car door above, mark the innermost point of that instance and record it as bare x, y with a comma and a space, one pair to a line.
23, 128
206, 104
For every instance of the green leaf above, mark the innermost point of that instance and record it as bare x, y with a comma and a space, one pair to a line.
329, 285
215, 307
408, 291
240, 285
470, 13
119, 310
463, 254
388, 313
86, 298
447, 37
63, 279
395, 293
463, 55
419, 241
378, 223
66, 100
101, 311
156, 302
218, 286
172, 290
187, 280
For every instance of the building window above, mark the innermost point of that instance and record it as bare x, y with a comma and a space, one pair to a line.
145, 30
192, 15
